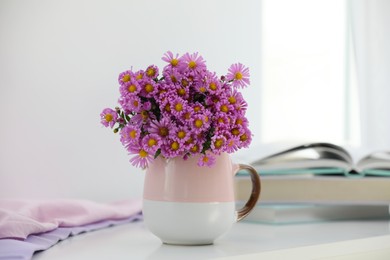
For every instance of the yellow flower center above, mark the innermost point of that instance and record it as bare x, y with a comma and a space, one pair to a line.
135, 103
194, 148
232, 100
149, 88
174, 62
224, 108
139, 76
163, 131
187, 115
235, 131
238, 76
133, 134
205, 159
192, 64
178, 107
126, 78
202, 89
175, 145
218, 143
239, 121
173, 78
243, 138
189, 141
143, 153
152, 142
181, 134
184, 83
132, 88
151, 72
198, 123
213, 86
181, 91
108, 117
197, 108
167, 108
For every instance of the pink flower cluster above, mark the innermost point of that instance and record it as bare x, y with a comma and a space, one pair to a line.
185, 111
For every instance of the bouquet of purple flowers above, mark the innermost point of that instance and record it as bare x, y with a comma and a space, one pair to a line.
186, 111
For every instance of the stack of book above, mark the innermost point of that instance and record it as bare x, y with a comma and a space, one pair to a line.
317, 182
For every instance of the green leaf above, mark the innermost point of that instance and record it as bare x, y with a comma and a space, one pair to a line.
157, 153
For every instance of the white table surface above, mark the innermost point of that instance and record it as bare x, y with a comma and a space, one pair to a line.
367, 239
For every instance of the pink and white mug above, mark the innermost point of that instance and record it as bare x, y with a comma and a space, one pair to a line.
191, 205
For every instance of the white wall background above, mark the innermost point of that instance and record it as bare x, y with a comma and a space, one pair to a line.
370, 33
59, 62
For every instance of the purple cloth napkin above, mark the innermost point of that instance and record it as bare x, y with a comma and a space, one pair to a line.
20, 218
17, 249
27, 226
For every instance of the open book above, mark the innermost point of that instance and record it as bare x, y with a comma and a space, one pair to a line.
323, 158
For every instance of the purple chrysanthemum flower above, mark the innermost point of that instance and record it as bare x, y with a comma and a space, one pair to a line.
245, 137
241, 120
172, 148
108, 117
161, 128
178, 106
212, 100
173, 60
131, 103
172, 76
237, 130
232, 143
206, 160
151, 72
187, 116
165, 105
218, 143
200, 123
182, 92
195, 148
149, 88
131, 87
221, 119
125, 77
193, 62
143, 117
130, 134
151, 143
213, 84
223, 106
139, 75
239, 75
141, 157
164, 91
182, 134
235, 99
198, 108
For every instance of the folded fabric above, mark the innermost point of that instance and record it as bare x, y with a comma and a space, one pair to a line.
20, 218
24, 249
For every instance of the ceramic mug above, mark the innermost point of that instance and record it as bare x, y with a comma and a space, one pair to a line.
188, 204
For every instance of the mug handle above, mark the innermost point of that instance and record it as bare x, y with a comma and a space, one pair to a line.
255, 194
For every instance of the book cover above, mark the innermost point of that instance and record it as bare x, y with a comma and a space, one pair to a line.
293, 213
317, 189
